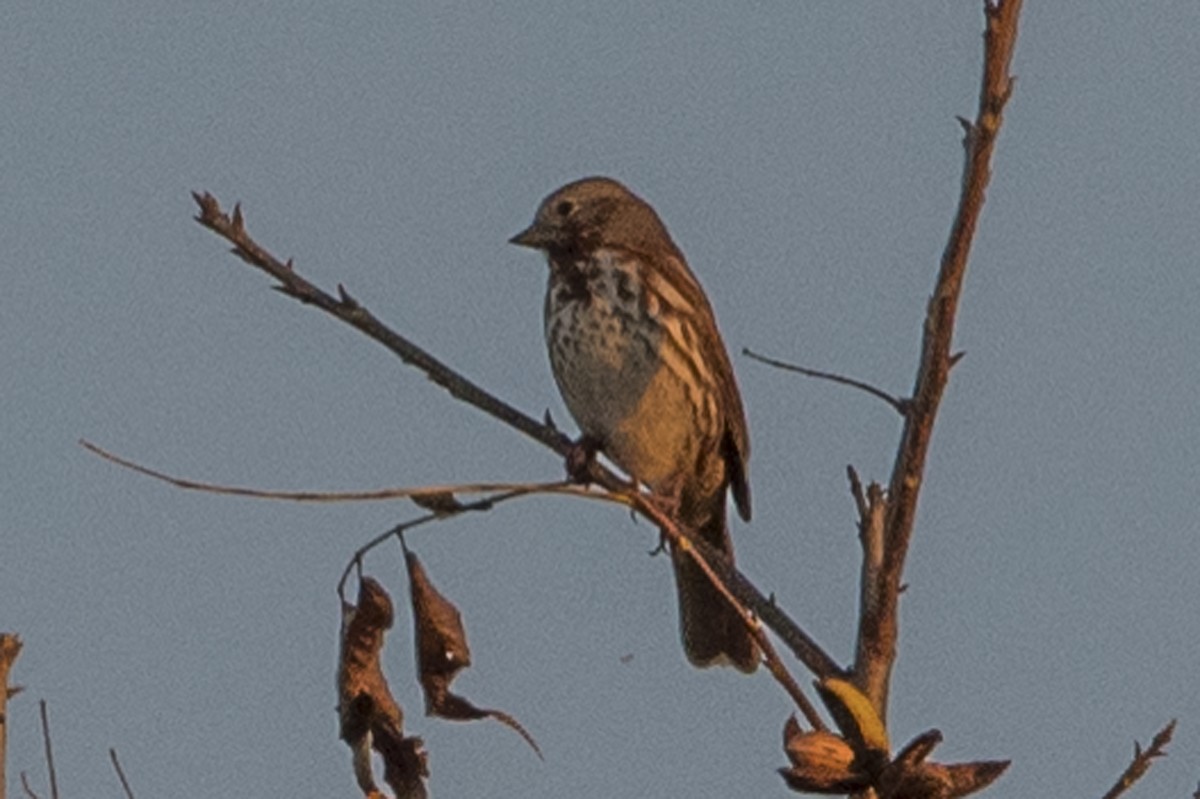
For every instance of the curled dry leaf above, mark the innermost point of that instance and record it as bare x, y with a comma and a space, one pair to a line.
369, 716
910, 776
826, 763
442, 652
821, 762
938, 781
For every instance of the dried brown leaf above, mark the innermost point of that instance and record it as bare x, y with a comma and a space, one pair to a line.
442, 652
938, 781
442, 649
822, 762
370, 717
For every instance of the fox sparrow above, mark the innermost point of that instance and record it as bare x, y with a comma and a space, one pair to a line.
637, 357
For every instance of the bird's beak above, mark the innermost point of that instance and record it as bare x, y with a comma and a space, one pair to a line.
529, 237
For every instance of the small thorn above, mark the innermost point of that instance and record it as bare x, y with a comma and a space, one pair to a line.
239, 223
967, 126
345, 297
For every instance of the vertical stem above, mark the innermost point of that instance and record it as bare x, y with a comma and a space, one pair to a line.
10, 648
49, 750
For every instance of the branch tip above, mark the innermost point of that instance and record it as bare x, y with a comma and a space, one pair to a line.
856, 491
1142, 760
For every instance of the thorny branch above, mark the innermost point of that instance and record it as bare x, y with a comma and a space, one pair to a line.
875, 650
1142, 760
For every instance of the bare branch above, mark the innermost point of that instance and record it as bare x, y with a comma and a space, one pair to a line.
25, 786
112, 753
49, 750
1142, 760
415, 494
878, 628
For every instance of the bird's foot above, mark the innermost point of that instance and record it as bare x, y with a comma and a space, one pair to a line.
580, 457
668, 503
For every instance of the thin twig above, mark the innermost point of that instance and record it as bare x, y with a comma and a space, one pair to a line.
1142, 760
300, 496
481, 504
26, 787
112, 753
49, 750
878, 631
774, 664
901, 406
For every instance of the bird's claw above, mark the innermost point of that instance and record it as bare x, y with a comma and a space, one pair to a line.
580, 457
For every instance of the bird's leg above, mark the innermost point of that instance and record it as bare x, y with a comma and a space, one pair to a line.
668, 498
580, 457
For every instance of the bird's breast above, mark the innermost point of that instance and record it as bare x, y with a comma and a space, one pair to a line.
606, 351
603, 348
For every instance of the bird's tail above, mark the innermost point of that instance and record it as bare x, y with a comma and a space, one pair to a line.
713, 632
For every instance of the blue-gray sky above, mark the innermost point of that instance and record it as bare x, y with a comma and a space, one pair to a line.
806, 158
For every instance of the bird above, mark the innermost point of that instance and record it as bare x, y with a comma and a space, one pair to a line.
640, 364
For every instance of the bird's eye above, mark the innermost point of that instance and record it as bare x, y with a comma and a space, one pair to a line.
564, 208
